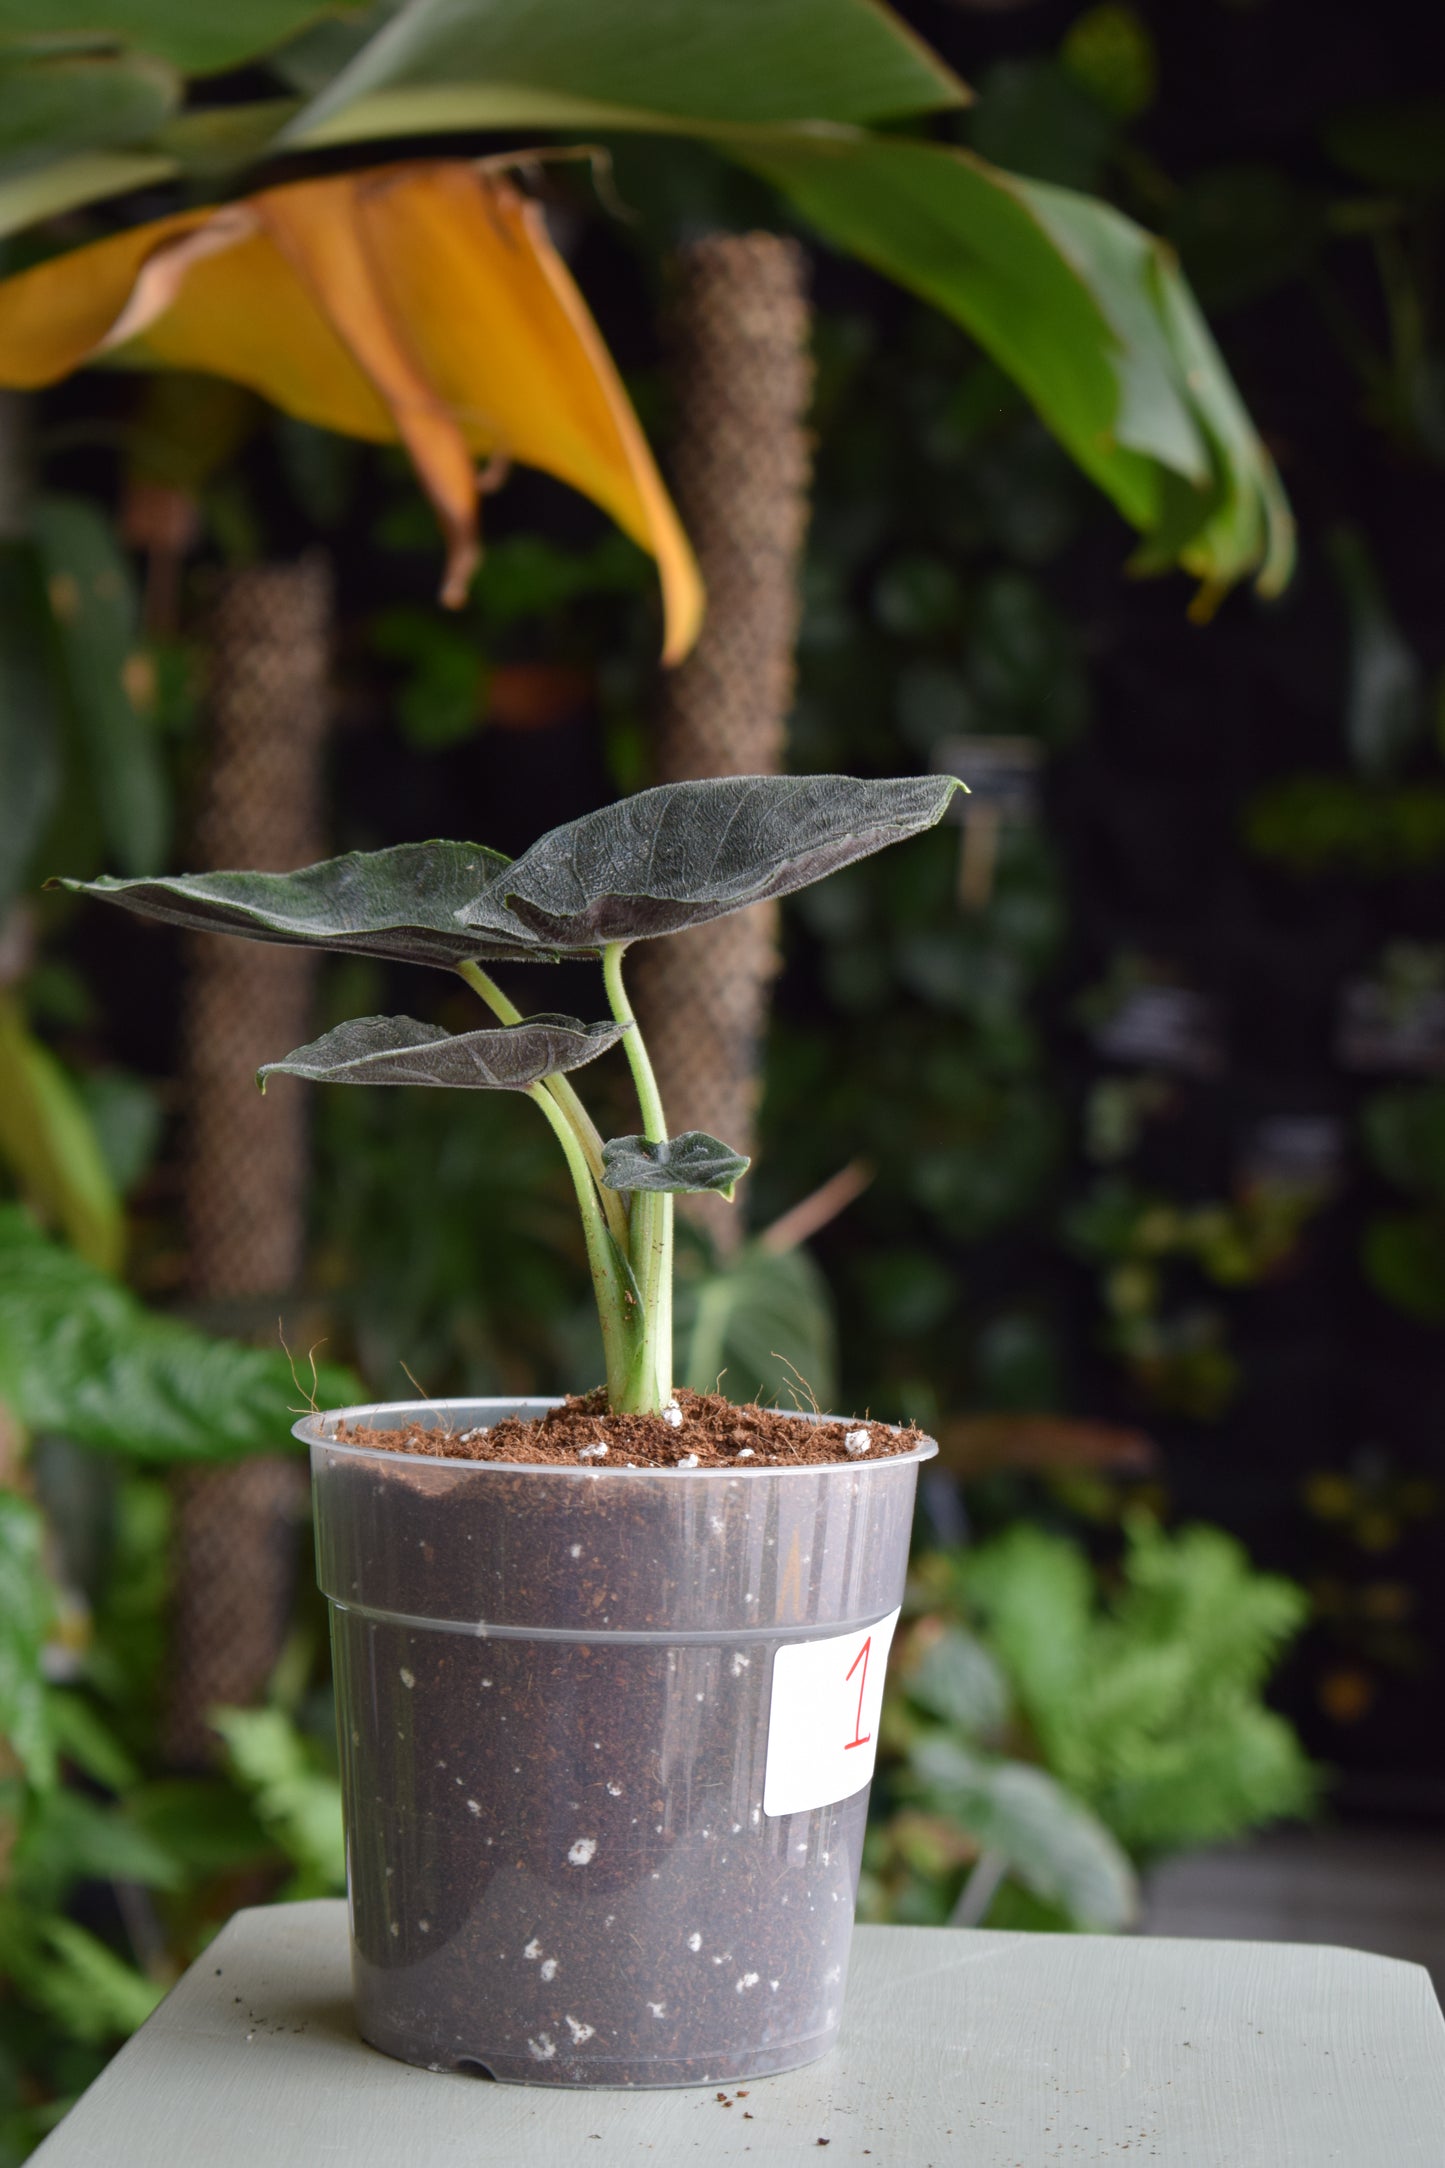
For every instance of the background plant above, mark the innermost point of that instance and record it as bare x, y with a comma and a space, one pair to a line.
1054, 1730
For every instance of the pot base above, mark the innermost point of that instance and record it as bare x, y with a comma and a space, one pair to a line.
670, 2074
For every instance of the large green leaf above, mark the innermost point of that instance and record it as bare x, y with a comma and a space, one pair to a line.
97, 619
1085, 310
26, 1605
202, 39
398, 1050
30, 698
59, 103
1052, 1843
80, 1356
401, 903
762, 1324
658, 64
50, 1146
687, 852
686, 1165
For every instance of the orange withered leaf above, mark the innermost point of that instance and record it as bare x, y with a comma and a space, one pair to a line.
416, 303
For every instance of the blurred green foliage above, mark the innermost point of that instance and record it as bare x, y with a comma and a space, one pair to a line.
1054, 1729
114, 1873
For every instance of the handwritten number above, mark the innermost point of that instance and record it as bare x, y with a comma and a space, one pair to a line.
860, 1737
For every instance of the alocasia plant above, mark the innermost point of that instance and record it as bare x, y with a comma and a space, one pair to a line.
650, 865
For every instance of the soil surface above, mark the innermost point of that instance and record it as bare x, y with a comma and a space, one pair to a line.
701, 1430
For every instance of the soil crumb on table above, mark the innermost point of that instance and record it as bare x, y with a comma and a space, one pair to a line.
698, 1430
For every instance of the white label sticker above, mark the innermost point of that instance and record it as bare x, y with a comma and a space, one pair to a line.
823, 1721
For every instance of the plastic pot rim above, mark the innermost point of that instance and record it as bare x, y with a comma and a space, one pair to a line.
311, 1431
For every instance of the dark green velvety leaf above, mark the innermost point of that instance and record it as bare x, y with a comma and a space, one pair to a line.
401, 903
81, 1357
398, 1050
686, 852
686, 1164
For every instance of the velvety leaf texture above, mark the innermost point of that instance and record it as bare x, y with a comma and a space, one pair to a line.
686, 1164
401, 903
687, 852
398, 1050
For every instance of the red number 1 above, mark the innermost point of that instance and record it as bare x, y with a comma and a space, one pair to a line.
860, 1737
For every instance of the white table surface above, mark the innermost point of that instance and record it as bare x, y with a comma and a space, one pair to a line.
959, 2046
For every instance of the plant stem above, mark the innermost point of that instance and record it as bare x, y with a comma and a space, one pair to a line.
651, 1216
564, 1093
619, 1307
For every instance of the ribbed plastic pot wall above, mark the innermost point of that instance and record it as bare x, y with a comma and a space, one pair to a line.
606, 1736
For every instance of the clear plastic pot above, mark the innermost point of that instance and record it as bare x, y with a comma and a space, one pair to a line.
604, 1813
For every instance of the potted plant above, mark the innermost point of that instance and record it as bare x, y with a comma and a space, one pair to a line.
608, 1670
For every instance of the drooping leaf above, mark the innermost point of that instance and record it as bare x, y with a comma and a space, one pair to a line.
1084, 309
687, 1164
30, 698
664, 64
400, 903
26, 1606
1052, 1843
81, 1357
687, 852
55, 104
94, 605
398, 1050
50, 1146
301, 291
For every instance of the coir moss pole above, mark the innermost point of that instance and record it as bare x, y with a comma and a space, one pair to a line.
743, 376
245, 1169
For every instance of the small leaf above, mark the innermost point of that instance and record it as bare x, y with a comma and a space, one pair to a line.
398, 1050
687, 852
686, 1165
401, 903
